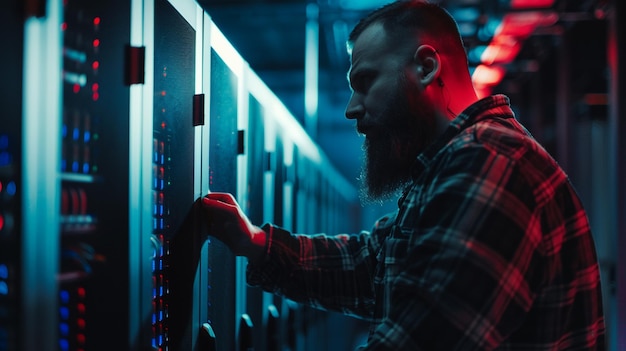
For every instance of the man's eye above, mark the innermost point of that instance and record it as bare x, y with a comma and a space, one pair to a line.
363, 82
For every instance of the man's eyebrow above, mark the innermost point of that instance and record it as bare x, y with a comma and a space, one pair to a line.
359, 72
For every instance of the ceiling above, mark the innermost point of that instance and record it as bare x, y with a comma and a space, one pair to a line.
270, 35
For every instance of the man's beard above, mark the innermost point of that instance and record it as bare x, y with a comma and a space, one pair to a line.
391, 154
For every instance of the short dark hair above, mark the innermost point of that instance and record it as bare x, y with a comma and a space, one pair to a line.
404, 17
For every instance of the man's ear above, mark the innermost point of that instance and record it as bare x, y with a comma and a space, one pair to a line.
428, 63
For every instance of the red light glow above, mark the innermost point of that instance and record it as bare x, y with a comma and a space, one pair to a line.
95, 65
487, 75
76, 88
522, 24
96, 21
528, 4
96, 43
80, 338
501, 50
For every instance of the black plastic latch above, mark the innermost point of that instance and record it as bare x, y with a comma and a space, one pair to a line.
134, 70
206, 339
198, 110
240, 142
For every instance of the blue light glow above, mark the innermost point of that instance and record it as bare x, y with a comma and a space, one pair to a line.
5, 158
64, 296
4, 141
11, 188
64, 312
64, 329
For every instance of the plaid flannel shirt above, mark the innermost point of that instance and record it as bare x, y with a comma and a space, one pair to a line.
490, 249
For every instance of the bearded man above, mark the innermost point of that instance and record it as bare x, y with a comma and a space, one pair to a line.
490, 247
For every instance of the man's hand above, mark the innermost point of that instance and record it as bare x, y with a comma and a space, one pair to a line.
227, 222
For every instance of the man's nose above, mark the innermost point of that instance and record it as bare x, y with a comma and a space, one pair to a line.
355, 109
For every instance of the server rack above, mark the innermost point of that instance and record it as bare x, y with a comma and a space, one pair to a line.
257, 166
11, 179
101, 161
93, 254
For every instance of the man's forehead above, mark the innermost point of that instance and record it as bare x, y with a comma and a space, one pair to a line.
373, 38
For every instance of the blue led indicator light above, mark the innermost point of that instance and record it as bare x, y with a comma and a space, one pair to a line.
75, 166
5, 158
64, 312
4, 271
64, 345
87, 136
4, 141
75, 133
4, 288
11, 188
64, 328
65, 296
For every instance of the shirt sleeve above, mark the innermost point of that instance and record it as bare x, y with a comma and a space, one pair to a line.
323, 271
468, 240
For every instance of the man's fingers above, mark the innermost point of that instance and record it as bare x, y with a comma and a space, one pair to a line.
223, 197
217, 204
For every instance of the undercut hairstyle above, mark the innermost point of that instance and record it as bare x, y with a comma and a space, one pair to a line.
405, 19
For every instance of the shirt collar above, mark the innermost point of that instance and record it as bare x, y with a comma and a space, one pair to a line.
479, 110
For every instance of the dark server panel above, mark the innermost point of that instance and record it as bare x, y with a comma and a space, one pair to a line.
93, 255
10, 176
257, 167
223, 151
172, 166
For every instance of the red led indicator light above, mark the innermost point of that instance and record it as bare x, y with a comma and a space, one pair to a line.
80, 338
81, 292
163, 93
163, 125
96, 21
1, 222
81, 308
95, 96
76, 88
96, 43
63, 26
95, 65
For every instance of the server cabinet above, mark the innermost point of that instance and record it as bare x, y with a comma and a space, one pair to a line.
223, 178
93, 245
257, 165
11, 140
175, 302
